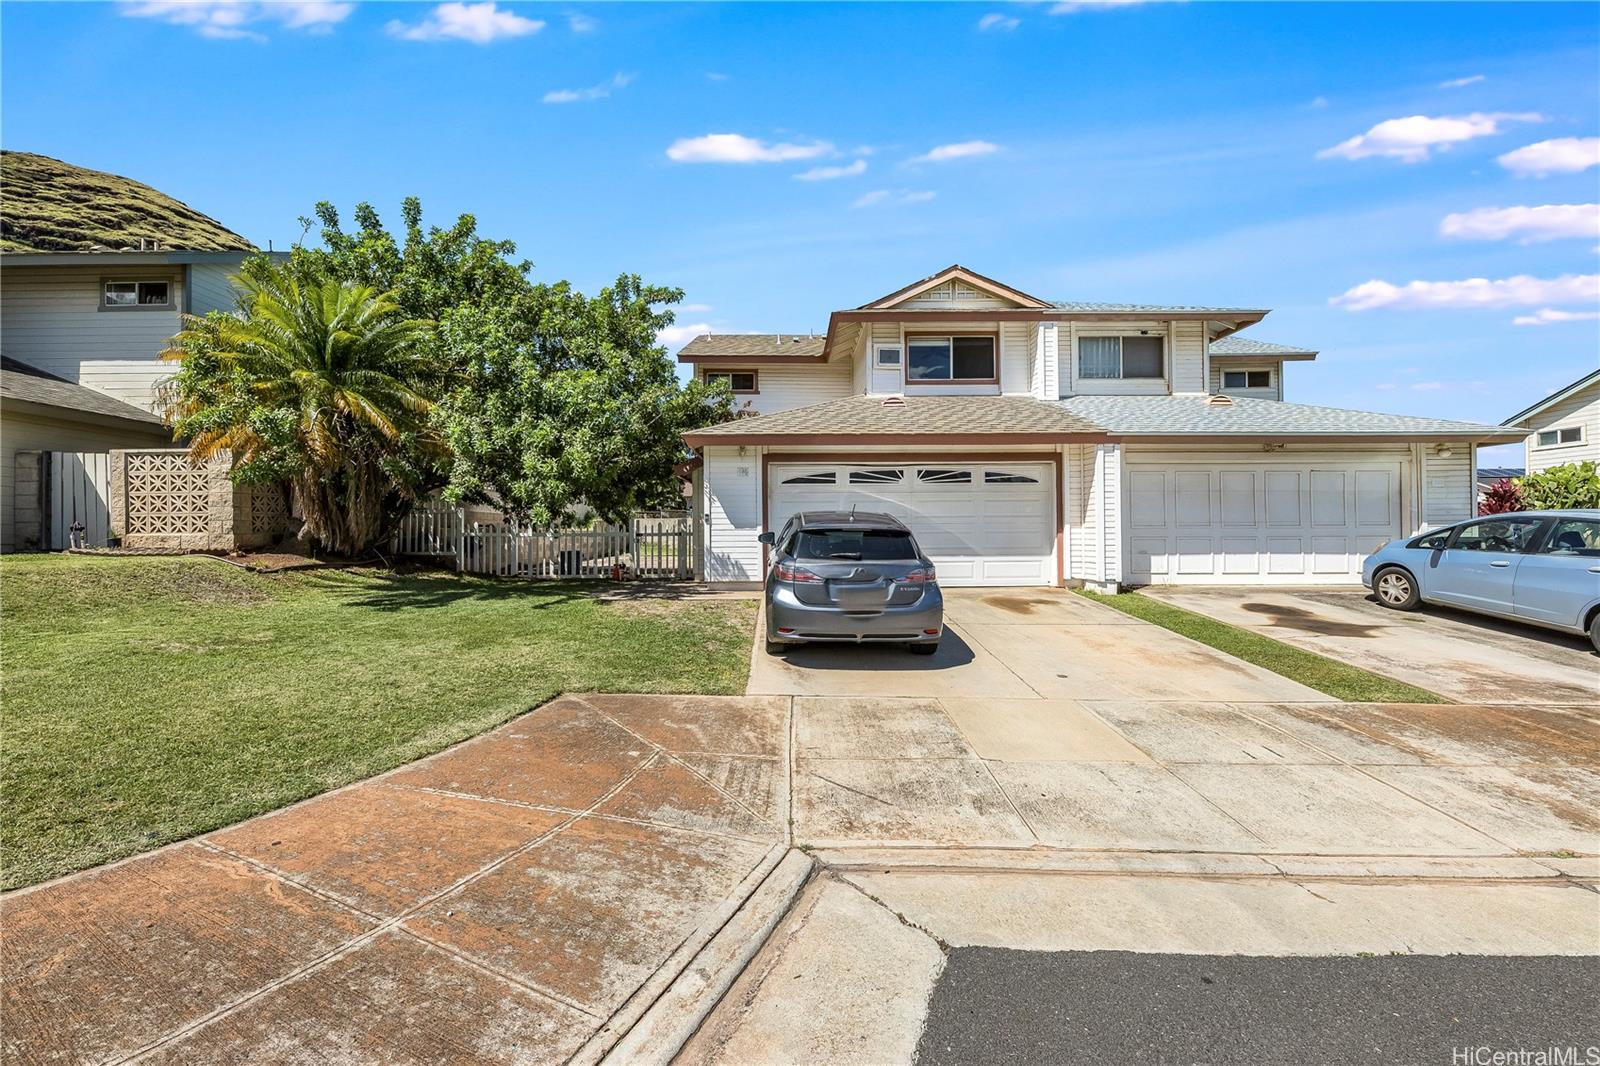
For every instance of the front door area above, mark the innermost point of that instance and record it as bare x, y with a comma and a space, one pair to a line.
983, 522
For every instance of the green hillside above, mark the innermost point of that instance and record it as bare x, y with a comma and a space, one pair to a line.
50, 206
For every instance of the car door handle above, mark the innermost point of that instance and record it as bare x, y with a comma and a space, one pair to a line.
1594, 569
1500, 562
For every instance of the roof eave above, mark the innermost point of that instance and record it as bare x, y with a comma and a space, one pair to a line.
1554, 398
1287, 357
1485, 435
713, 440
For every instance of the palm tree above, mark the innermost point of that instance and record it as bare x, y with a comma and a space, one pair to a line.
326, 384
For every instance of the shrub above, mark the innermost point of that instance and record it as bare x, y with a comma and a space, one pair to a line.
1561, 487
1502, 497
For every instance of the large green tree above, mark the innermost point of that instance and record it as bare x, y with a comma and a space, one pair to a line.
556, 397
327, 384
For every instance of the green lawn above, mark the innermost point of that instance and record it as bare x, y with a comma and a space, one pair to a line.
1339, 680
146, 700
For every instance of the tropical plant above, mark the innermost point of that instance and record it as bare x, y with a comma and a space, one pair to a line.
1560, 487
1501, 497
326, 384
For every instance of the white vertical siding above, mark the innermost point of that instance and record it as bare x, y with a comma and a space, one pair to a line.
1580, 409
1449, 486
1107, 491
1016, 348
51, 318
1093, 512
732, 514
1186, 342
1079, 466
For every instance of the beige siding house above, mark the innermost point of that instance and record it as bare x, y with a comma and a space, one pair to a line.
1564, 427
1031, 442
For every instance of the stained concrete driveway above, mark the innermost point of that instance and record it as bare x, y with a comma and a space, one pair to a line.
1459, 655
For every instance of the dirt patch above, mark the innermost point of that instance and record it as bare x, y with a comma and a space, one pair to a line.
1287, 617
1016, 604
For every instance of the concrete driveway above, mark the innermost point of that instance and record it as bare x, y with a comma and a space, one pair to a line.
1459, 655
1030, 644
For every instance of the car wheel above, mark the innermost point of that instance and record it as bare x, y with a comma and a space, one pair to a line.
774, 648
1396, 589
1594, 631
924, 649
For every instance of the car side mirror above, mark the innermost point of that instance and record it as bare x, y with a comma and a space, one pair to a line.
768, 538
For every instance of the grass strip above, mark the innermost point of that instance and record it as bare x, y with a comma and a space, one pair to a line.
1339, 680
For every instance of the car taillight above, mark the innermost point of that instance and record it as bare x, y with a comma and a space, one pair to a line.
796, 574
920, 575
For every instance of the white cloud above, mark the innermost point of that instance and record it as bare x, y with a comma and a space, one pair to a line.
994, 20
1462, 83
737, 148
1411, 139
893, 198
1546, 316
1529, 225
830, 173
712, 75
231, 19
693, 309
1072, 7
1563, 155
1519, 291
578, 22
678, 336
1426, 386
479, 23
964, 150
1318, 103
594, 92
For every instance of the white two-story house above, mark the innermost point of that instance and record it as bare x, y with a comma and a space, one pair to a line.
1564, 427
1028, 442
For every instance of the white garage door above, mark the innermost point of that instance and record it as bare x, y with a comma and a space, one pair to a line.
980, 523
1243, 523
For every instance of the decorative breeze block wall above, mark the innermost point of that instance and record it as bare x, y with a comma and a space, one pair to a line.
161, 499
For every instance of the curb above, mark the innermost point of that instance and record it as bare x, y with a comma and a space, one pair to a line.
666, 1024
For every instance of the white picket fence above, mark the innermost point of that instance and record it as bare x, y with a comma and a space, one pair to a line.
656, 545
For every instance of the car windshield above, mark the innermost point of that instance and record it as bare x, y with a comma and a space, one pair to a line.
864, 545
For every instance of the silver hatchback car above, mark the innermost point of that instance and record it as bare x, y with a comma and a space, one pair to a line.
853, 577
1541, 567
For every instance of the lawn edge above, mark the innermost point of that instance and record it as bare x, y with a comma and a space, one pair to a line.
1252, 647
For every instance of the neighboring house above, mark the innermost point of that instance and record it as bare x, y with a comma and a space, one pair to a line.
1489, 475
1564, 427
92, 288
1032, 443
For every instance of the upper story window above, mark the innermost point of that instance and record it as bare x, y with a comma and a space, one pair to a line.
128, 295
1552, 438
951, 360
888, 357
1247, 379
1114, 358
738, 381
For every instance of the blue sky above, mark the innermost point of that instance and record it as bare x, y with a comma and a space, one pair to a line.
778, 161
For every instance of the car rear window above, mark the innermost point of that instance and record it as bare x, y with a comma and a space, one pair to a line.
866, 545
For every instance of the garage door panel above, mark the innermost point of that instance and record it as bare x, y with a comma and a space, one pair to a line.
1221, 519
981, 524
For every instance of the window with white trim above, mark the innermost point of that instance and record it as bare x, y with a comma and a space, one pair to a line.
876, 477
888, 357
1554, 438
122, 295
1247, 379
1003, 477
738, 381
821, 477
945, 477
1121, 358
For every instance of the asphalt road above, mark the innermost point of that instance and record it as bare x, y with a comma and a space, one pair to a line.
994, 1005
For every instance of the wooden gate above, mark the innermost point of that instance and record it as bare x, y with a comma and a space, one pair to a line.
80, 492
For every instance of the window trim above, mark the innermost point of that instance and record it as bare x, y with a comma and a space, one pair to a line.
755, 380
1161, 335
1247, 371
1559, 443
878, 351
168, 280
909, 338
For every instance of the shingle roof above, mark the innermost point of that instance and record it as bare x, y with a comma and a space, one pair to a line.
751, 346
1079, 305
19, 381
918, 415
1237, 345
1132, 416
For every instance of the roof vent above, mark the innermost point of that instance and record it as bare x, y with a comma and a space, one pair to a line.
894, 401
1219, 400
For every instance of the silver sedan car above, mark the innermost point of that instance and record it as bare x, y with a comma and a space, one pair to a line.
1540, 567
854, 577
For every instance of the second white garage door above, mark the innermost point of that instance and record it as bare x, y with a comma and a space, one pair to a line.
980, 523
1242, 523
